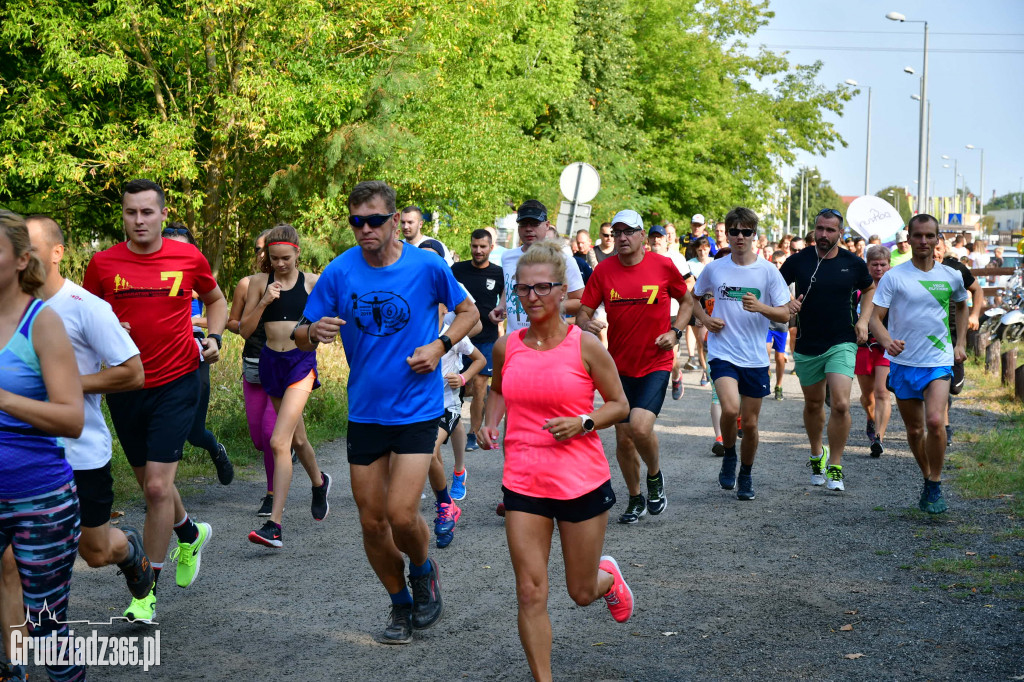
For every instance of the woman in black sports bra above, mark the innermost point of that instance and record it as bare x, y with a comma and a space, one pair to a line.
275, 301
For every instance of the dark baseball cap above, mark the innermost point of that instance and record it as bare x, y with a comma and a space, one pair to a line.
657, 229
532, 209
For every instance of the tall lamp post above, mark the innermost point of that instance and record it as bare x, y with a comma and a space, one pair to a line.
867, 153
981, 189
922, 181
946, 157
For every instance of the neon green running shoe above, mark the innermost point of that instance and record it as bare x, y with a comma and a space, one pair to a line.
142, 610
190, 555
817, 465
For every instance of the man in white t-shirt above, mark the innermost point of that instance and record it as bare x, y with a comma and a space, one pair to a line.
532, 218
916, 295
748, 292
412, 230
109, 362
658, 240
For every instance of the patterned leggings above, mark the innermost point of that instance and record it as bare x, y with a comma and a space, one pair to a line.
44, 532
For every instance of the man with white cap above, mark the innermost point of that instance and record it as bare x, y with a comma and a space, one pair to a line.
697, 229
636, 288
901, 253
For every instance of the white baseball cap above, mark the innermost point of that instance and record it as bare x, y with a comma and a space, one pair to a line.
628, 217
901, 236
699, 219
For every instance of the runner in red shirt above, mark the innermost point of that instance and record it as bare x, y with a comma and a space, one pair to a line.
148, 281
636, 288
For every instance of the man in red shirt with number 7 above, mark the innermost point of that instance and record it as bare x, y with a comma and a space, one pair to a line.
636, 288
148, 281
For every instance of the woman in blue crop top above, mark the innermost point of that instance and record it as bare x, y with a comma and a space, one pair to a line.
276, 299
40, 402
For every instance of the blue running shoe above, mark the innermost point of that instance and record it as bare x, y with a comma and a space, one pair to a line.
934, 502
458, 491
471, 443
727, 476
746, 487
447, 515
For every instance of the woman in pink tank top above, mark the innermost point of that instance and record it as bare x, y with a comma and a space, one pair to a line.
555, 466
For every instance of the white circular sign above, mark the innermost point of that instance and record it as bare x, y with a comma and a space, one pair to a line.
589, 182
870, 215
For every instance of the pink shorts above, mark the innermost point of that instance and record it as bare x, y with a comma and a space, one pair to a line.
868, 359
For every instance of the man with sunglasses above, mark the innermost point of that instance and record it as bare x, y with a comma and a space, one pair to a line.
827, 279
606, 246
148, 281
532, 218
748, 291
637, 289
382, 298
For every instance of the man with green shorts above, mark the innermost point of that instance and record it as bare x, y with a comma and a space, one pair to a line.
828, 330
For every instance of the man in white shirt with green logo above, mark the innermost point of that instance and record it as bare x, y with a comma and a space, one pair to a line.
916, 295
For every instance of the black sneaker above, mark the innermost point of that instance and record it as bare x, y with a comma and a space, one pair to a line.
636, 508
876, 447
427, 605
949, 435
399, 629
268, 536
319, 507
225, 470
727, 476
745, 491
138, 572
267, 507
656, 500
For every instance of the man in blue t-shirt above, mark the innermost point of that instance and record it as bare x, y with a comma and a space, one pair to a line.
382, 298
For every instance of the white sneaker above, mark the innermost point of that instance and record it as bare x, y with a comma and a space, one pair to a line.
817, 465
834, 476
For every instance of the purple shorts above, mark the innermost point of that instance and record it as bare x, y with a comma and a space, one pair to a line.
279, 370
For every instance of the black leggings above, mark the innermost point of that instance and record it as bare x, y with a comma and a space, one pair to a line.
200, 436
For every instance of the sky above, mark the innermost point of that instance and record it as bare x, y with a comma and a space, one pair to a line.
975, 68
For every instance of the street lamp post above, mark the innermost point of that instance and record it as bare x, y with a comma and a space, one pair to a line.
867, 153
981, 189
922, 181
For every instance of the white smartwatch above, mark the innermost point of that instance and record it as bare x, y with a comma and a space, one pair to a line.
588, 423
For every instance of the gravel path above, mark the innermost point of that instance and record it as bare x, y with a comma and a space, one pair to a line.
724, 589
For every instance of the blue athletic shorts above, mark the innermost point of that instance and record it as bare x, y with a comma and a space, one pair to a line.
778, 340
488, 352
909, 383
753, 381
646, 392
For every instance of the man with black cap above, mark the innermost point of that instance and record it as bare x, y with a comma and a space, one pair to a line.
532, 218
636, 289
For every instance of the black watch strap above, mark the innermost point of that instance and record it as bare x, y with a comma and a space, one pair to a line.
220, 341
446, 342
679, 333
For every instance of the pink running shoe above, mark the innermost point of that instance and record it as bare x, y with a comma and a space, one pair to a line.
620, 597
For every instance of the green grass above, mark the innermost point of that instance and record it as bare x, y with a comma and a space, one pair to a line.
325, 418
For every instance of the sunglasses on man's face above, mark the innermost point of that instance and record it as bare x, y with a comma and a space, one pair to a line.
175, 232
375, 220
746, 232
607, 234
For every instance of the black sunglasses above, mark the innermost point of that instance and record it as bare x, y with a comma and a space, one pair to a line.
375, 220
746, 232
831, 212
175, 232
629, 231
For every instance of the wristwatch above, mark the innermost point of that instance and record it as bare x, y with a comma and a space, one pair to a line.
446, 342
220, 342
679, 333
588, 423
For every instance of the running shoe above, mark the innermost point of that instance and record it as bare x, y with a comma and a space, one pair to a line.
319, 507
691, 364
727, 476
399, 629
12, 673
142, 610
745, 490
869, 430
458, 491
138, 572
225, 470
718, 448
778, 393
447, 515
921, 503
268, 536
267, 506
876, 447
500, 510
620, 598
427, 605
190, 555
636, 508
677, 389
949, 435
834, 477
817, 466
934, 503
704, 381
471, 443
656, 500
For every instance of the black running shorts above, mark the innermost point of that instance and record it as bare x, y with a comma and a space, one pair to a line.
646, 392
153, 423
581, 508
366, 443
95, 495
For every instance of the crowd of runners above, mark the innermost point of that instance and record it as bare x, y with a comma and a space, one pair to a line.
529, 335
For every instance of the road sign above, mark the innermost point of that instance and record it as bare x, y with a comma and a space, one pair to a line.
579, 182
580, 220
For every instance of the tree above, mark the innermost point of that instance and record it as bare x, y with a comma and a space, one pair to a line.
897, 196
1011, 200
819, 195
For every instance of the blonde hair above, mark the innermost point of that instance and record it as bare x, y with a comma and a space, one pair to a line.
545, 252
30, 279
